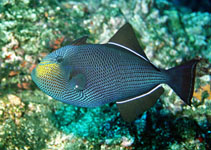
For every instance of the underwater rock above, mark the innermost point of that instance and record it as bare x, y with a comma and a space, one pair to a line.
14, 100
126, 142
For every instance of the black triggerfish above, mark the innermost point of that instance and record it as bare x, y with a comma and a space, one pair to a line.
91, 75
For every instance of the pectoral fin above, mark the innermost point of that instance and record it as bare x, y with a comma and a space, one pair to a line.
130, 109
78, 82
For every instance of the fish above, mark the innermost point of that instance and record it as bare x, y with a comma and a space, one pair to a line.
92, 75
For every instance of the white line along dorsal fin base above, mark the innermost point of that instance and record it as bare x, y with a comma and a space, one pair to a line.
140, 96
134, 52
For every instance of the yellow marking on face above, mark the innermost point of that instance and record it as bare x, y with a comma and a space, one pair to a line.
45, 69
45, 62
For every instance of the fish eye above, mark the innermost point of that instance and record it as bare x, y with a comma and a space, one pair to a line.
59, 59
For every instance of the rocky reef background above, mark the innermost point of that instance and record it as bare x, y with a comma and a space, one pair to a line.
170, 32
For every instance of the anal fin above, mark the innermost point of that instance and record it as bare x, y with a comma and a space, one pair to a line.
132, 108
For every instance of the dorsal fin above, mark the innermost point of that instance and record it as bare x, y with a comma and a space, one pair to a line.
132, 108
126, 36
80, 41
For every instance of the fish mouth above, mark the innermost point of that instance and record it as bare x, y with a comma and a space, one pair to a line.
47, 72
49, 77
50, 73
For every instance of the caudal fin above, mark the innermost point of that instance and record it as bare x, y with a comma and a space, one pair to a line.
182, 80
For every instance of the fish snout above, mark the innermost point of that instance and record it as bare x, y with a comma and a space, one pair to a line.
49, 78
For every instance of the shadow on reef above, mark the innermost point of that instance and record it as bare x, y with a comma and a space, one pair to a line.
158, 128
194, 5
161, 131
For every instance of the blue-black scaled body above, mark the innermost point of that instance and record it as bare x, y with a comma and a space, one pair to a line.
91, 75
112, 73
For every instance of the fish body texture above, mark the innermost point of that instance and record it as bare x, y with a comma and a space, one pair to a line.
112, 73
91, 75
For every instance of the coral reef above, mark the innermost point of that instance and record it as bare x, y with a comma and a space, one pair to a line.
170, 35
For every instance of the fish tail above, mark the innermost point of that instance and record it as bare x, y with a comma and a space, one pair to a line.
182, 80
